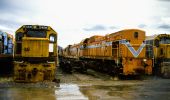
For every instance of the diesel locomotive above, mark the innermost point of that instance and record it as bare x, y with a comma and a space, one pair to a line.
158, 49
119, 53
35, 53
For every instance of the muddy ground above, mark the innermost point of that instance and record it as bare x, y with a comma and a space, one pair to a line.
90, 86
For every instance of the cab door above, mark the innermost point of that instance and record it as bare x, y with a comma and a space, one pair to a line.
115, 49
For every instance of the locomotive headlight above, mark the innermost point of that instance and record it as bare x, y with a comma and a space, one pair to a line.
34, 27
144, 60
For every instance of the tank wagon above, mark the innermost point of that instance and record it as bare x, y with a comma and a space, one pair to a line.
119, 53
35, 55
6, 52
158, 49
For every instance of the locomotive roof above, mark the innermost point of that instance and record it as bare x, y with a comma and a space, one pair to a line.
115, 33
130, 30
156, 36
84, 40
37, 27
95, 36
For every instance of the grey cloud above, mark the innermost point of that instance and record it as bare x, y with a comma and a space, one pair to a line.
12, 13
165, 0
95, 28
113, 27
14, 7
162, 8
7, 6
142, 26
9, 23
161, 16
164, 26
99, 28
2, 3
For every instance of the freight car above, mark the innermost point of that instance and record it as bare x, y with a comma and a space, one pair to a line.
158, 49
120, 53
35, 55
6, 52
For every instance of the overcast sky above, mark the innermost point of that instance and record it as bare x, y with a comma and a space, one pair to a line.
75, 20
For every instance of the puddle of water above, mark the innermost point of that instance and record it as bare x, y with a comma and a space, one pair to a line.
63, 92
88, 90
102, 92
69, 92
27, 94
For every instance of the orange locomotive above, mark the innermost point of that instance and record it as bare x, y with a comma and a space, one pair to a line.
119, 53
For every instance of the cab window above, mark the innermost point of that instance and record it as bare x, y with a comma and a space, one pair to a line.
19, 36
36, 33
52, 38
135, 34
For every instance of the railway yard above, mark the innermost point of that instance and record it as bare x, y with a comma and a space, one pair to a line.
125, 65
85, 50
90, 86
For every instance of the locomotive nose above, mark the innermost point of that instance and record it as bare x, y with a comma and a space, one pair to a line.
33, 47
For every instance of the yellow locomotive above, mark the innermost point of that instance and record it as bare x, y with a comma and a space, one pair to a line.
159, 50
35, 54
119, 53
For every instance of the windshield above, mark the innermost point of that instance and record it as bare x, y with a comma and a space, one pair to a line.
165, 40
35, 33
